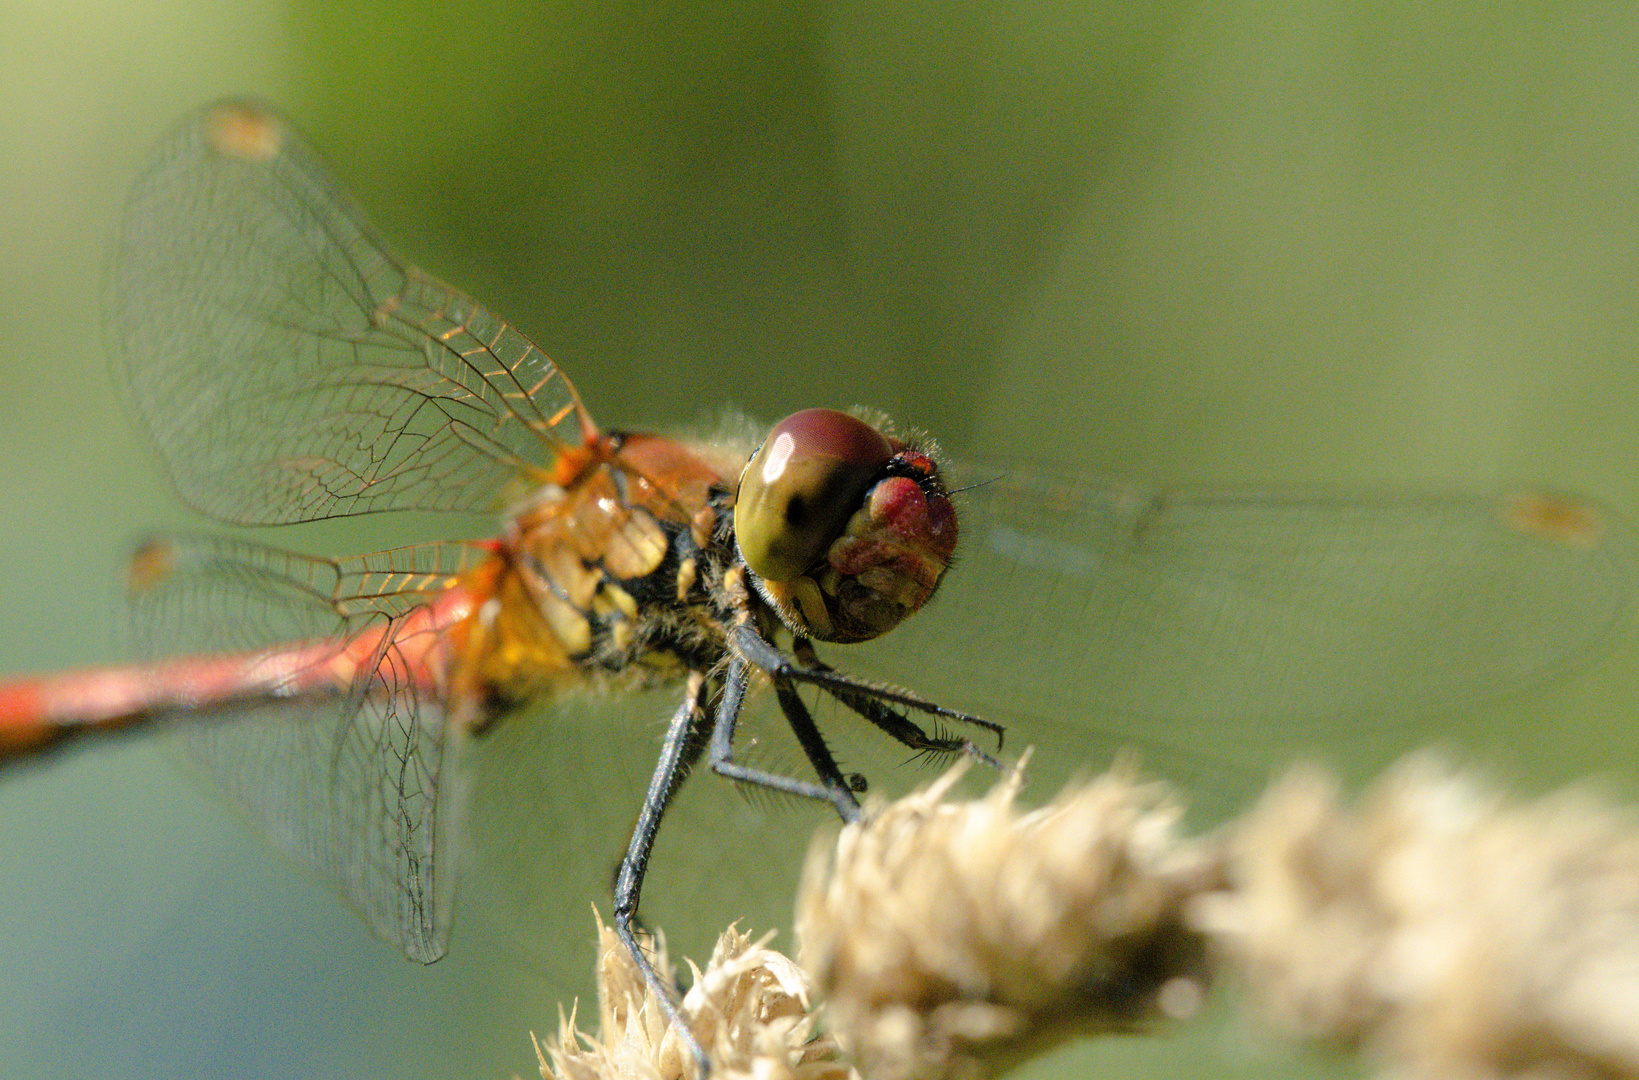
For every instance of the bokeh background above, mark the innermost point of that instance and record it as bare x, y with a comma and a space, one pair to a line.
1257, 242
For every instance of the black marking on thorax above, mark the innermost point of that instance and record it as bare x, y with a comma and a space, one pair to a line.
666, 623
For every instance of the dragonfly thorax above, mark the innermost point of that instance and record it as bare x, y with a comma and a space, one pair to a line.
612, 581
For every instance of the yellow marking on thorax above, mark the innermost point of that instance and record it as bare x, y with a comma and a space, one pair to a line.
515, 652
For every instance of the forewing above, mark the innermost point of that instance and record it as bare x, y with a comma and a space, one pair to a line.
1085, 603
286, 366
363, 786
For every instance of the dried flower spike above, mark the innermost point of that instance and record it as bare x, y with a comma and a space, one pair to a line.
1439, 927
956, 939
748, 1008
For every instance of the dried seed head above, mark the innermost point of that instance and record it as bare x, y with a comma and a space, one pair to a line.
1438, 927
748, 1008
953, 940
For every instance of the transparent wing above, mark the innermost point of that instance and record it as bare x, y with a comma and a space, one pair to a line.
362, 785
286, 366
1220, 606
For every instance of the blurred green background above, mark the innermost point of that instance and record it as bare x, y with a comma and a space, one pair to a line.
1243, 243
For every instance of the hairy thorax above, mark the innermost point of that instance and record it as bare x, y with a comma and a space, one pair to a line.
609, 575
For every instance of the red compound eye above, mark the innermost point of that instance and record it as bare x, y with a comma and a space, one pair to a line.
800, 488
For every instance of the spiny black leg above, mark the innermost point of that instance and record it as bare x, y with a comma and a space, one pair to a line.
676, 755
891, 721
813, 744
845, 689
833, 788
699, 736
907, 733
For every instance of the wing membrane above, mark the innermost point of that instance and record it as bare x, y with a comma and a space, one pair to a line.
363, 785
287, 366
1223, 606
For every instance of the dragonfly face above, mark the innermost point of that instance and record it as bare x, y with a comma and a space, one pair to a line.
846, 530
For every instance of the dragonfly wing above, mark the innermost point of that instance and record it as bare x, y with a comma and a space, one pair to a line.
361, 784
287, 366
1212, 606
359, 790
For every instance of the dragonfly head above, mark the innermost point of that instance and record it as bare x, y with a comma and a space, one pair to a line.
845, 530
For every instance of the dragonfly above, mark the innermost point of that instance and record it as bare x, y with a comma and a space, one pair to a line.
289, 369
625, 559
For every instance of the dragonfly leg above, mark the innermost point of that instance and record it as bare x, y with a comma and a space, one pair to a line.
679, 751
833, 788
874, 703
904, 731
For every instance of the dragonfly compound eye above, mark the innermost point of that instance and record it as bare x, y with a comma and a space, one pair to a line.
845, 530
800, 488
